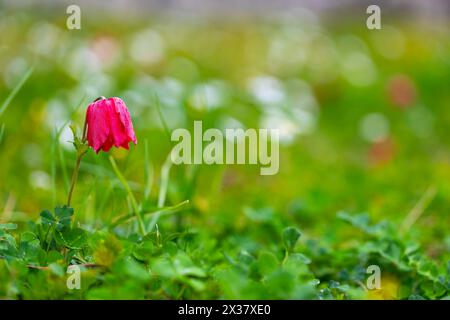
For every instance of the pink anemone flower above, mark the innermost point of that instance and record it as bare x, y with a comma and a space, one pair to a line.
109, 124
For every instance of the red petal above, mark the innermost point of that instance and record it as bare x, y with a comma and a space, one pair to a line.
108, 144
98, 124
125, 119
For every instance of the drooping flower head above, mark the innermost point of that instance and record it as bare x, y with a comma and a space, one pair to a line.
109, 124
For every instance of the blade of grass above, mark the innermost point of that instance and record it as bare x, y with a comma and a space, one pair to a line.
53, 154
160, 211
148, 172
418, 209
2, 131
14, 92
130, 195
165, 173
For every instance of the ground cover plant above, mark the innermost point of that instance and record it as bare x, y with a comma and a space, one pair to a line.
364, 175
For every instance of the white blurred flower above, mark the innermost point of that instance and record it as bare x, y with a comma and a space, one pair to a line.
57, 114
374, 127
66, 138
288, 128
81, 62
306, 121
172, 85
40, 180
208, 96
170, 92
43, 38
267, 90
147, 47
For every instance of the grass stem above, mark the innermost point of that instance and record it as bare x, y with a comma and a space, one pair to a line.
74, 178
134, 204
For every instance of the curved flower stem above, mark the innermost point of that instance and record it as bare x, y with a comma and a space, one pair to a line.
80, 154
74, 178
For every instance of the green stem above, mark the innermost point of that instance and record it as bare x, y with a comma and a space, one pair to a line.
165, 172
160, 211
125, 184
80, 154
74, 178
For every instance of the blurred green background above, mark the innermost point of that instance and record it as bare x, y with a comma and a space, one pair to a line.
363, 116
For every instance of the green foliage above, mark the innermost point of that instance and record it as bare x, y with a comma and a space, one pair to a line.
290, 237
186, 265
